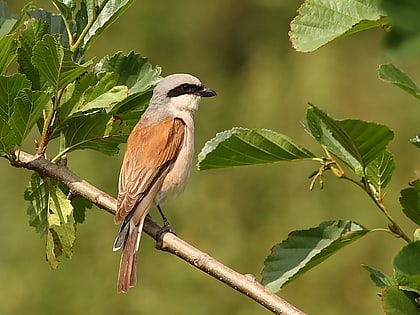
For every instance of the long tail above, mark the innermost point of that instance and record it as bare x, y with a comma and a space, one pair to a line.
129, 237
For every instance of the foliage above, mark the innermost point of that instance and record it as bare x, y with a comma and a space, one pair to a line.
355, 150
83, 104
79, 104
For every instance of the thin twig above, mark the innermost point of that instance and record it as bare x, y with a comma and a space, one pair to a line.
246, 284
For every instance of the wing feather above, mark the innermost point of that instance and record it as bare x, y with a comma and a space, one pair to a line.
150, 154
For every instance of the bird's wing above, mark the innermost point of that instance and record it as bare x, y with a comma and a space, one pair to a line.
151, 152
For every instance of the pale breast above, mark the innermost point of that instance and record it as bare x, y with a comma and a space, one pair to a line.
176, 179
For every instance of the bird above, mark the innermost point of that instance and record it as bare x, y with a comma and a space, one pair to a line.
156, 163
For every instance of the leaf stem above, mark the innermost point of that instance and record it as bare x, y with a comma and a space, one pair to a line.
394, 228
66, 24
41, 147
372, 193
95, 13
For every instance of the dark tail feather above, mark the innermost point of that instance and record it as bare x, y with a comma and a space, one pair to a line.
127, 275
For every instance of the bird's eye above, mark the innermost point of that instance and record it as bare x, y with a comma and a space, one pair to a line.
182, 89
186, 87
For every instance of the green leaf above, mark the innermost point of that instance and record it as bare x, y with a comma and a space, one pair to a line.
106, 100
7, 139
131, 109
51, 213
381, 280
8, 49
379, 171
80, 205
37, 194
134, 71
7, 20
399, 302
66, 8
61, 226
410, 201
98, 131
91, 92
55, 63
407, 267
55, 24
104, 94
28, 109
323, 135
10, 87
320, 21
355, 142
73, 96
305, 249
32, 34
102, 15
241, 146
390, 73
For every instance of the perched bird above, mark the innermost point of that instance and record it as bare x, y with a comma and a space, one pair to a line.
156, 163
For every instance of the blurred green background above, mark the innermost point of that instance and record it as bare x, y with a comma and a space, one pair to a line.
240, 49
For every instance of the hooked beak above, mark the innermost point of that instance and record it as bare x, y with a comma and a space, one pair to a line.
206, 92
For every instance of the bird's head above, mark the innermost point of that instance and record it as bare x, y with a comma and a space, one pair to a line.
182, 91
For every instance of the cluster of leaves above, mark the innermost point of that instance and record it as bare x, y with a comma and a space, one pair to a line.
77, 103
358, 146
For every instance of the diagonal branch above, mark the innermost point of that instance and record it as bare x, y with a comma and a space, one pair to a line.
246, 284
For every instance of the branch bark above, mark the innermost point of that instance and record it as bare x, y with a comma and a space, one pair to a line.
246, 284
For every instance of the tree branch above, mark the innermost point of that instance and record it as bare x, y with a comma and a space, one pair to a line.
246, 284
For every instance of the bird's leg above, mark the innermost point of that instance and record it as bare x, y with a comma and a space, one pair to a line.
165, 228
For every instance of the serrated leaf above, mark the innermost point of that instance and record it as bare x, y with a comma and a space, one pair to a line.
80, 206
410, 201
7, 138
323, 135
391, 74
134, 71
34, 31
61, 226
355, 142
55, 63
381, 280
98, 131
103, 16
28, 109
106, 100
38, 196
398, 302
55, 24
10, 86
407, 267
104, 94
8, 49
131, 109
320, 21
73, 95
242, 146
305, 249
379, 171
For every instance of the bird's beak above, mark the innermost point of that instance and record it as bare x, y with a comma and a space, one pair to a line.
206, 92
